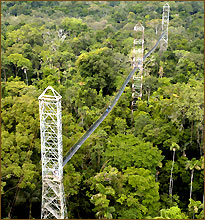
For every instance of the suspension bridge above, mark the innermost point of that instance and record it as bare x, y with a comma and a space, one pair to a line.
53, 200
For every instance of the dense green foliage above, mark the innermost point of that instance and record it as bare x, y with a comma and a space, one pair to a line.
83, 50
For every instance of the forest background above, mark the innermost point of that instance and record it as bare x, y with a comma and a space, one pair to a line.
83, 50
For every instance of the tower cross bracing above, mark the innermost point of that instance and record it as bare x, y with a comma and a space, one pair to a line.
165, 24
53, 202
138, 50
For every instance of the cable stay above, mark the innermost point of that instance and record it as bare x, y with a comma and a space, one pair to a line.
77, 145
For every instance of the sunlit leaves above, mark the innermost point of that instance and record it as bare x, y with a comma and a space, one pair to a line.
19, 134
172, 213
127, 150
131, 192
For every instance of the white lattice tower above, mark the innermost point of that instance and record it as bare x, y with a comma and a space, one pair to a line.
165, 24
53, 202
137, 57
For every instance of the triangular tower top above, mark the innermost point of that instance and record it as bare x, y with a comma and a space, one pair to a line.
55, 95
138, 27
166, 5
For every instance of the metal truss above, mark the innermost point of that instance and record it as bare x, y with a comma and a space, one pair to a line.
165, 24
137, 58
53, 201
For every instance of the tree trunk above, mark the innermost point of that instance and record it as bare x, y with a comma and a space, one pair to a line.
13, 204
26, 76
171, 179
4, 75
16, 70
156, 30
192, 176
192, 127
30, 205
198, 137
59, 77
157, 176
199, 141
202, 140
37, 73
148, 93
98, 158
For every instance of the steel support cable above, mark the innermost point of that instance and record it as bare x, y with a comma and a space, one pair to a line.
77, 145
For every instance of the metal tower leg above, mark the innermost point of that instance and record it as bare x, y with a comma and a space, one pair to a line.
165, 23
137, 56
53, 202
